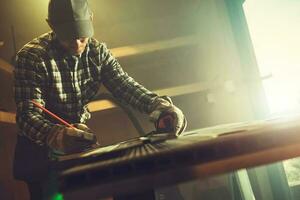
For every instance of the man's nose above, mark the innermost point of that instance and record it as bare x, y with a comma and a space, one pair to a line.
77, 42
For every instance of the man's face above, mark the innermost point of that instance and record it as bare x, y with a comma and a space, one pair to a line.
75, 46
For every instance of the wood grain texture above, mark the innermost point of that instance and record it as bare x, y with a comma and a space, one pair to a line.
7, 117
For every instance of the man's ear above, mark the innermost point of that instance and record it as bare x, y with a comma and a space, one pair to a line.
49, 23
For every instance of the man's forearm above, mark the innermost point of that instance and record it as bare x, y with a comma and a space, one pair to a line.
32, 123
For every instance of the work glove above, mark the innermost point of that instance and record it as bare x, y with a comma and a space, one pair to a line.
85, 128
167, 117
65, 140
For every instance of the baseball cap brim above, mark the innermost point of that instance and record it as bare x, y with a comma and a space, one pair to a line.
74, 30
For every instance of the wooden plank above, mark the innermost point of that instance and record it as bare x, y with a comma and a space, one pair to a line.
179, 90
172, 91
134, 49
257, 143
154, 46
7, 117
101, 105
5, 66
185, 89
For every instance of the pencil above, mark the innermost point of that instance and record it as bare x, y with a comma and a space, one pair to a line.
52, 114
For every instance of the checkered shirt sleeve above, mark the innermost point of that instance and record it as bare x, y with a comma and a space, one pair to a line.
28, 86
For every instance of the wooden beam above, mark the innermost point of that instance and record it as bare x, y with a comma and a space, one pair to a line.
134, 49
172, 91
154, 46
185, 89
101, 105
7, 117
5, 66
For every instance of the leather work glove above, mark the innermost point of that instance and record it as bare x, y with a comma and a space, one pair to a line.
168, 117
85, 128
66, 140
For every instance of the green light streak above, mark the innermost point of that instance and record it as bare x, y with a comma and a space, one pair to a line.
57, 196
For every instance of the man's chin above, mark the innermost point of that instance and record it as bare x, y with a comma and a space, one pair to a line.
75, 52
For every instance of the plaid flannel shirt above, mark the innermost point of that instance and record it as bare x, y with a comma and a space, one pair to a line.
65, 84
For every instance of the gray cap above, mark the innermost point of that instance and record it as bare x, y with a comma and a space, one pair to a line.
71, 19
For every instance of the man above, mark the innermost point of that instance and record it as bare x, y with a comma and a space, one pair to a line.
62, 70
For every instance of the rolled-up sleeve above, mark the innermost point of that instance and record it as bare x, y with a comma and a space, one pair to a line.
122, 86
29, 85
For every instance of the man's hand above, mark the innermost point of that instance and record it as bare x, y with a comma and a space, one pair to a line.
67, 140
84, 128
171, 120
168, 117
